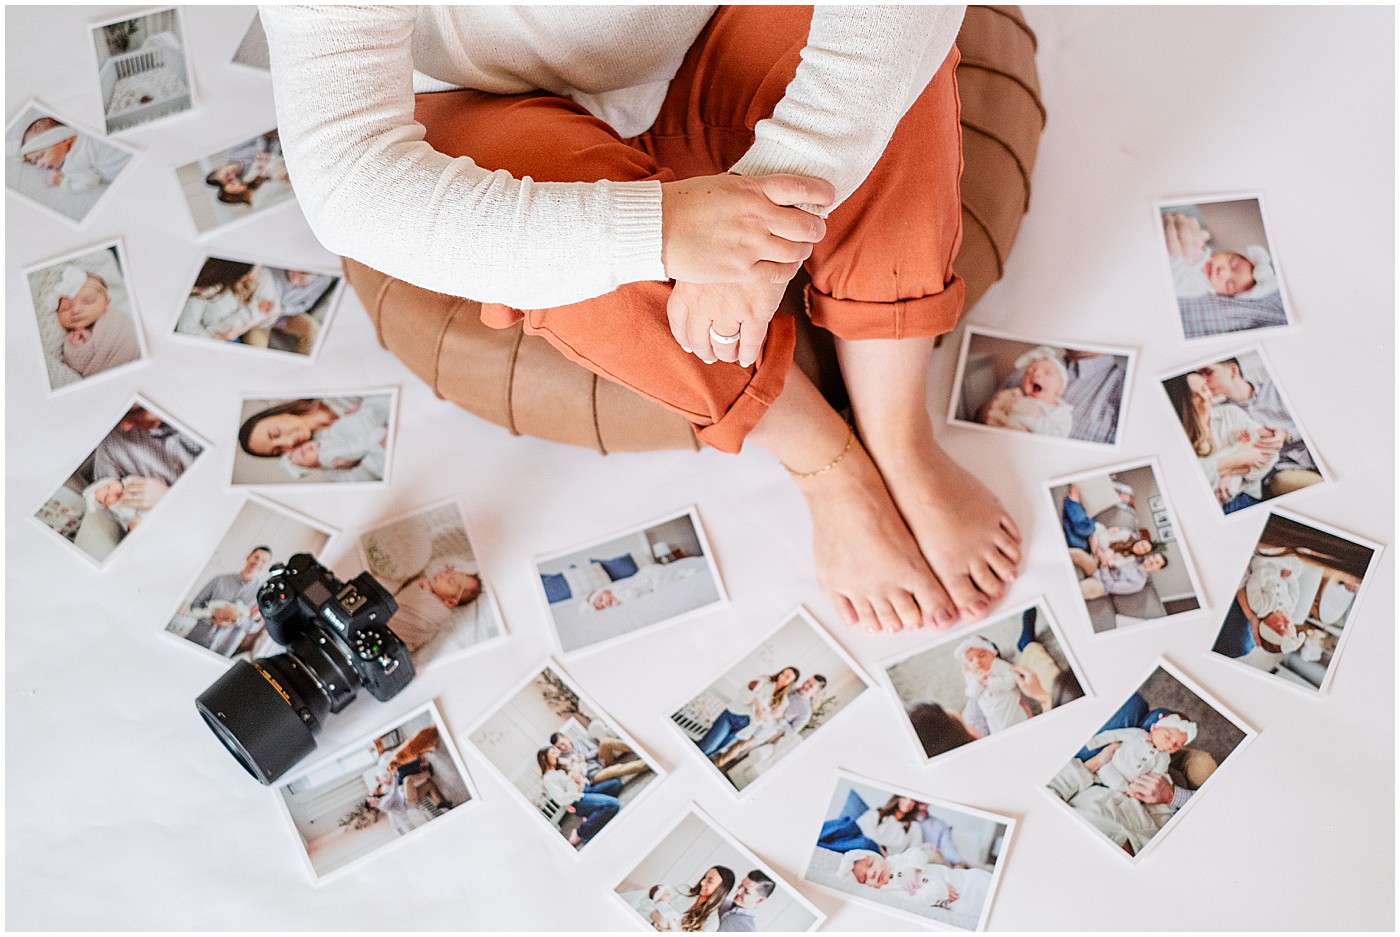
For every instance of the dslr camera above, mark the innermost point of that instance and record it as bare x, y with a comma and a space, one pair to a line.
267, 712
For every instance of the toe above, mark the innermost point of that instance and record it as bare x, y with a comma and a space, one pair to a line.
964, 592
885, 614
1009, 549
939, 610
1008, 525
865, 615
987, 580
844, 608
907, 610
1004, 568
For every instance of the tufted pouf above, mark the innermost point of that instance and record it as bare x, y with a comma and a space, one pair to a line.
522, 383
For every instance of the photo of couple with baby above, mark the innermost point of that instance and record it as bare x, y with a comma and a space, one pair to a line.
236, 182
1040, 388
258, 306
1147, 762
1246, 440
1004, 673
58, 167
314, 440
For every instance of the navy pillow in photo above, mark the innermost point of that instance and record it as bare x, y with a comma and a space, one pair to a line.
619, 567
556, 587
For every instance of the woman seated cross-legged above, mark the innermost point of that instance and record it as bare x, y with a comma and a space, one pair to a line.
638, 185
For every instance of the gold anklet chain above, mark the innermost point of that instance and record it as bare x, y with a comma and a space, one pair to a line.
850, 440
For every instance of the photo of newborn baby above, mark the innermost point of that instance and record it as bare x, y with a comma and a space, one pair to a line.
1051, 390
236, 182
58, 167
315, 440
246, 304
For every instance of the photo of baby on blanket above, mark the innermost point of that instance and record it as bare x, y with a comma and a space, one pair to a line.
236, 182
87, 322
1123, 547
1288, 616
427, 561
59, 167
1149, 760
986, 681
258, 306
315, 440
1248, 444
1222, 269
909, 854
1045, 389
698, 878
143, 74
654, 575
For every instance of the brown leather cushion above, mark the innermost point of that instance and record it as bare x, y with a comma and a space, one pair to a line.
520, 382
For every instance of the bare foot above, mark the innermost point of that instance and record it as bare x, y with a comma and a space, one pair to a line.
867, 561
964, 532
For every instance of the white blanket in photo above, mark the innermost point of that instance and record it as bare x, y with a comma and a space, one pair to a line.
652, 597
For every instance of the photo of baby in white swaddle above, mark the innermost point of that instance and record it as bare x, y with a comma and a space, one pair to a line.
86, 325
358, 435
990, 684
246, 304
1036, 406
59, 167
1142, 751
107, 493
315, 440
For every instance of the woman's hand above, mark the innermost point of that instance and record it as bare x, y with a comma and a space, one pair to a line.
1186, 239
142, 494
1241, 460
742, 309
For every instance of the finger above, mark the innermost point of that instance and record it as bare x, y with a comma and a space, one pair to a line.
768, 271
751, 342
789, 189
697, 334
676, 311
784, 251
725, 351
794, 224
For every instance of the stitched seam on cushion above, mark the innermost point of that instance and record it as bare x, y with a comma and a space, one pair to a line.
593, 409
437, 347
510, 380
996, 253
1020, 166
1033, 92
1021, 24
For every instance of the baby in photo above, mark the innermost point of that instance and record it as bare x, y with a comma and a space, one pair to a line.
1198, 270
1036, 405
106, 493
991, 685
427, 602
1133, 752
234, 301
356, 436
73, 161
1273, 589
97, 335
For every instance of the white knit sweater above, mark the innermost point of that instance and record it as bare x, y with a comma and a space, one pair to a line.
344, 79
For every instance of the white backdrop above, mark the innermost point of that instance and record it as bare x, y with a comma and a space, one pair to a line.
124, 812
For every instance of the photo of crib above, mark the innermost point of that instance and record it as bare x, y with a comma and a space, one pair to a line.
147, 82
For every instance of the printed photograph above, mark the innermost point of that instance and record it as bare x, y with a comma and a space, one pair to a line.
254, 305
910, 854
62, 169
86, 315
1033, 387
1244, 434
143, 71
235, 182
252, 50
699, 878
564, 757
1289, 616
219, 612
657, 574
120, 482
1124, 547
427, 562
1222, 264
771, 701
1149, 762
315, 440
374, 793
985, 681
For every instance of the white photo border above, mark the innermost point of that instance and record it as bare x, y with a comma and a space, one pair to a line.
195, 95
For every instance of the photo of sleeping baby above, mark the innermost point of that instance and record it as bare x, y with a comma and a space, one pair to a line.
427, 562
564, 757
1123, 547
236, 182
1034, 387
769, 703
657, 574
699, 878
1249, 445
1222, 266
1149, 761
254, 305
58, 167
985, 681
120, 482
1288, 616
219, 612
142, 70
315, 440
910, 854
373, 793
88, 324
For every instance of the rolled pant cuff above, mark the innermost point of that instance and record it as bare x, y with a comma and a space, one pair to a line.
921, 317
727, 434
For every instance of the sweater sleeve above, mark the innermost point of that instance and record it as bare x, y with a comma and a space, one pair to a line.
372, 188
862, 69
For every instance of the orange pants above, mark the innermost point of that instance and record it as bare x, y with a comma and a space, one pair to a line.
884, 269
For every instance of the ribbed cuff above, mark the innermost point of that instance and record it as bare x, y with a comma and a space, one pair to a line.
766, 157
636, 231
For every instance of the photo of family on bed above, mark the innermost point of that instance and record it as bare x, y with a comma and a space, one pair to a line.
700, 879
1246, 439
257, 305
220, 609
1288, 616
985, 681
142, 71
120, 482
236, 182
1122, 543
910, 854
315, 440
657, 574
87, 319
1149, 761
767, 704
427, 562
373, 793
1223, 271
1034, 387
564, 757
58, 167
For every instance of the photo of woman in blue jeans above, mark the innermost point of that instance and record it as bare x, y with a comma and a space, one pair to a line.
597, 803
765, 699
